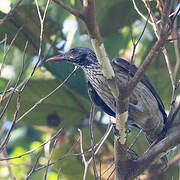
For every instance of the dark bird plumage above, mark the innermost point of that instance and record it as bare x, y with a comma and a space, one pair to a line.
146, 109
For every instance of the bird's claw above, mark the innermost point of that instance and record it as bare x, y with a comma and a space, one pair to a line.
115, 130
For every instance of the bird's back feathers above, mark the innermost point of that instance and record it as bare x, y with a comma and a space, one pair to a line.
131, 69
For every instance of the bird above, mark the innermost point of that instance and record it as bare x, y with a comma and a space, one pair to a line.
145, 109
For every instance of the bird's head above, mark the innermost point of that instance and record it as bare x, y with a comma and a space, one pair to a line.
79, 56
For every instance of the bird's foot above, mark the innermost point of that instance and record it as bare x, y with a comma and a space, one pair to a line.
115, 130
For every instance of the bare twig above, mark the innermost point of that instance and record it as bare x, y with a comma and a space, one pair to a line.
112, 172
157, 150
52, 150
7, 164
17, 105
13, 91
91, 119
9, 47
138, 11
6, 17
42, 20
58, 174
69, 9
100, 163
134, 141
153, 18
160, 171
108, 168
102, 140
162, 36
5, 52
177, 53
173, 101
4, 92
34, 149
137, 42
59, 159
169, 67
44, 98
34, 166
97, 147
86, 164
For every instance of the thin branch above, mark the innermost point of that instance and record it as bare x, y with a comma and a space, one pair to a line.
160, 171
97, 147
59, 159
91, 119
7, 16
69, 9
5, 52
13, 91
7, 164
100, 168
42, 20
86, 164
9, 47
108, 168
34, 149
103, 139
138, 11
112, 172
137, 42
171, 75
153, 18
58, 174
4, 92
50, 94
52, 151
162, 37
34, 166
155, 152
5, 141
177, 53
135, 140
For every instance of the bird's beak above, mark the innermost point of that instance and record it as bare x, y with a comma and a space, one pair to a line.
60, 57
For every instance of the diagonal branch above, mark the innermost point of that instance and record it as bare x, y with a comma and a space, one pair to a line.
69, 9
163, 35
158, 151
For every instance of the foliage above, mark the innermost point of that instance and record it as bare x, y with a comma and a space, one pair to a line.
69, 107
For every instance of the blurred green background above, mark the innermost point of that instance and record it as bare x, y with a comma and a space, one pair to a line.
69, 107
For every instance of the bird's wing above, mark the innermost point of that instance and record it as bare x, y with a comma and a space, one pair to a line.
98, 101
125, 66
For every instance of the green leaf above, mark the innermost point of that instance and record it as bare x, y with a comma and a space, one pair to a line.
112, 15
63, 109
115, 42
159, 76
77, 82
26, 16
